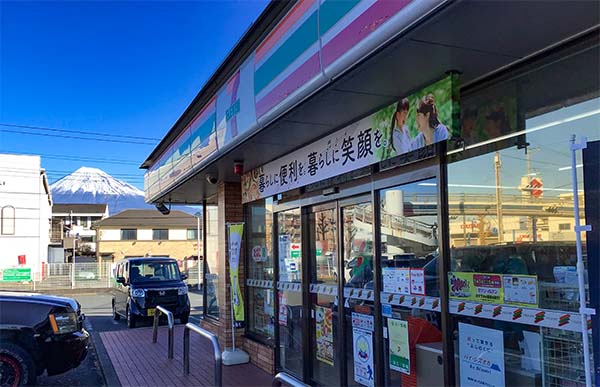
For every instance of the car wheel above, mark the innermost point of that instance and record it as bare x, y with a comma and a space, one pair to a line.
130, 319
116, 316
16, 366
184, 318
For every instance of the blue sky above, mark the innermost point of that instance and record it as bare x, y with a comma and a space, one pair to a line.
126, 68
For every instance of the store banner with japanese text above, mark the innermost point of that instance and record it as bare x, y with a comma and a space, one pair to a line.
235, 232
413, 122
481, 353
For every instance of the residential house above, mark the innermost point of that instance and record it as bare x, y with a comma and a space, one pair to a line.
72, 223
146, 233
25, 212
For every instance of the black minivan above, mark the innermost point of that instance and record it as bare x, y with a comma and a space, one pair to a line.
144, 283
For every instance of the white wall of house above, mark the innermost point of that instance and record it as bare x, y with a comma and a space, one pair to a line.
109, 234
144, 235
177, 234
24, 187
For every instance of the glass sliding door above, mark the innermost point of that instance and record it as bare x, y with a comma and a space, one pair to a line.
289, 292
323, 288
410, 284
356, 233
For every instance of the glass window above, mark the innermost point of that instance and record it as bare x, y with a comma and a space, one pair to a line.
260, 268
192, 234
212, 260
511, 216
8, 220
153, 271
128, 234
160, 234
289, 316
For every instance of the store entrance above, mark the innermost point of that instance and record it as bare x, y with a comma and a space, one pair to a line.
340, 238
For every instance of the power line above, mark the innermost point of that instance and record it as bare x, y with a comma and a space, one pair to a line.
99, 134
74, 158
76, 137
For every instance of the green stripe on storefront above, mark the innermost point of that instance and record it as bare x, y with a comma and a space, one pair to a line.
332, 11
298, 42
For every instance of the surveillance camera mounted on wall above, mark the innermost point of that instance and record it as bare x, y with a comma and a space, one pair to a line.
211, 179
163, 209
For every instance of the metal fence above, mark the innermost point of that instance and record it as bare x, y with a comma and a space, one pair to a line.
55, 276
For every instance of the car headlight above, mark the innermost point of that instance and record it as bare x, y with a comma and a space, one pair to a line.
182, 291
63, 322
138, 293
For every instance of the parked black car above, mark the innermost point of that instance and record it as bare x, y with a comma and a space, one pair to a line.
39, 333
144, 283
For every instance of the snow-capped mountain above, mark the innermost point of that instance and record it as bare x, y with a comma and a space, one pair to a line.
92, 185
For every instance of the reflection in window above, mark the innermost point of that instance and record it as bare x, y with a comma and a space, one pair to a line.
512, 241
160, 234
128, 234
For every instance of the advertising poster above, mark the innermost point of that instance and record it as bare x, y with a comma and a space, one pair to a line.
460, 285
396, 280
284, 253
393, 131
417, 282
363, 357
324, 333
399, 348
235, 241
15, 275
481, 353
521, 290
363, 321
488, 288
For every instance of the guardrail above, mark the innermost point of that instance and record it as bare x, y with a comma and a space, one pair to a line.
288, 379
157, 312
217, 351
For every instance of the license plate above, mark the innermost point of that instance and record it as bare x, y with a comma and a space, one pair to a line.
150, 312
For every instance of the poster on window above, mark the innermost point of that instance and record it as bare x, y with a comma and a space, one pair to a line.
488, 288
417, 282
282, 314
363, 357
396, 280
324, 333
399, 349
521, 290
481, 353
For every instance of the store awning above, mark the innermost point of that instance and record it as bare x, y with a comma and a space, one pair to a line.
474, 38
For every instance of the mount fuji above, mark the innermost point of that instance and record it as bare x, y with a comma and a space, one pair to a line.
94, 186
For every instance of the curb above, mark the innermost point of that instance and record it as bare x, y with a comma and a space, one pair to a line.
108, 372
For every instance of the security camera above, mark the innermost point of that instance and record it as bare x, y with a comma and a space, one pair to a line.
211, 179
163, 209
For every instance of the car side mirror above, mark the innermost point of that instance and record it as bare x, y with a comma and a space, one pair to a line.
184, 276
121, 280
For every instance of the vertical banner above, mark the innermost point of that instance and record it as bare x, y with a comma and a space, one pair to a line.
481, 353
399, 349
235, 232
363, 357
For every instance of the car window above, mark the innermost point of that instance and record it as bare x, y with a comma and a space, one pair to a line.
154, 271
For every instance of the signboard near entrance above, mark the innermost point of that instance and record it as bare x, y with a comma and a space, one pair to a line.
15, 275
481, 356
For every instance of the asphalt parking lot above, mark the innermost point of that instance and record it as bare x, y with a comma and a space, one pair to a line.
98, 312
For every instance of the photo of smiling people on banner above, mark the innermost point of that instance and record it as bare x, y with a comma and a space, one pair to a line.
420, 119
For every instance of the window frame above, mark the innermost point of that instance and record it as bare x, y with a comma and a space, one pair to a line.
121, 234
4, 220
160, 232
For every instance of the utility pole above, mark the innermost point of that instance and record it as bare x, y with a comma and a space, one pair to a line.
497, 166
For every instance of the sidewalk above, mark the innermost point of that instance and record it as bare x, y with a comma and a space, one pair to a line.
138, 362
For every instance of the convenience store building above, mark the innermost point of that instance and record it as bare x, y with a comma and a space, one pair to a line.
417, 180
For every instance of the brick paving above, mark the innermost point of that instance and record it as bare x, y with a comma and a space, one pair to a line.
138, 362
